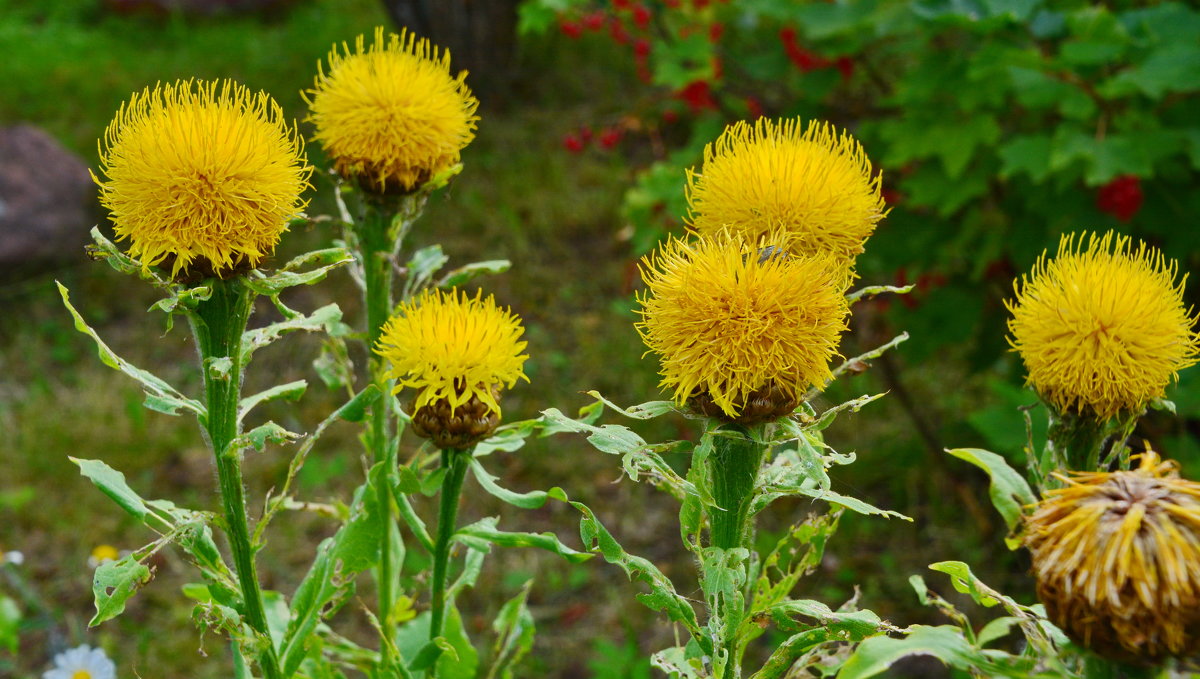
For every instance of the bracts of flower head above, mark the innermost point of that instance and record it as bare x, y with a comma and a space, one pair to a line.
742, 330
203, 177
1102, 329
458, 352
1116, 556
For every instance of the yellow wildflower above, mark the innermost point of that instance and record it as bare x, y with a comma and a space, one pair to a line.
815, 186
734, 320
391, 116
1102, 329
453, 348
1117, 560
204, 172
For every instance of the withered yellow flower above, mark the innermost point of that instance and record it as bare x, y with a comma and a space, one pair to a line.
453, 348
734, 320
816, 186
391, 115
201, 170
1102, 327
1117, 560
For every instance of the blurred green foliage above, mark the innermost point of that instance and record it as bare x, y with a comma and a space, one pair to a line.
997, 124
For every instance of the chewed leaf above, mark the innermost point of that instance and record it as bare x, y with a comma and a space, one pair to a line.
873, 290
662, 595
1008, 490
421, 267
531, 500
464, 274
946, 643
152, 384
270, 285
643, 411
327, 319
112, 483
114, 583
483, 533
292, 391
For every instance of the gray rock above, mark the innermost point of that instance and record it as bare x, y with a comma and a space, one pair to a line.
47, 201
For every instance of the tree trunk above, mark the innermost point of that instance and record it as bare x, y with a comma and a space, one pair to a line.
480, 34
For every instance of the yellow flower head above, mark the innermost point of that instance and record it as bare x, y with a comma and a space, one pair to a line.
730, 317
1117, 560
202, 170
453, 348
1102, 329
816, 186
391, 115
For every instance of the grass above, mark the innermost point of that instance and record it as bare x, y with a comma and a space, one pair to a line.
521, 197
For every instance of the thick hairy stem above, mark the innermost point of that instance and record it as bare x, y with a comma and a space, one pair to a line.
1077, 442
377, 248
455, 462
735, 462
218, 325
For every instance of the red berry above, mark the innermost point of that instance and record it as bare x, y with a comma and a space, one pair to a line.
641, 48
754, 108
787, 35
715, 32
616, 30
585, 133
697, 95
846, 66
573, 143
1121, 197
670, 115
641, 16
610, 138
621, 4
594, 21
571, 29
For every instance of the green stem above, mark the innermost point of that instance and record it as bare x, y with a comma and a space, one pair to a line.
218, 324
735, 462
377, 249
1076, 441
455, 462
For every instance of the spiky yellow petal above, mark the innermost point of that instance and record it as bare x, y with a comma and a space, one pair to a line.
816, 186
728, 317
453, 348
1117, 560
391, 115
1102, 328
201, 170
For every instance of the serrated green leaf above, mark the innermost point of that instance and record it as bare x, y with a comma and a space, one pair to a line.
270, 285
514, 630
260, 436
1008, 490
112, 483
421, 267
662, 595
292, 391
946, 643
113, 584
483, 533
531, 500
467, 273
1029, 154
152, 384
327, 319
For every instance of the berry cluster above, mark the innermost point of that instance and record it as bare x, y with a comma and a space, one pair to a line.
1121, 197
607, 139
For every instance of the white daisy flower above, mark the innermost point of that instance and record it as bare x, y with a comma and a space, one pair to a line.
15, 558
82, 662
